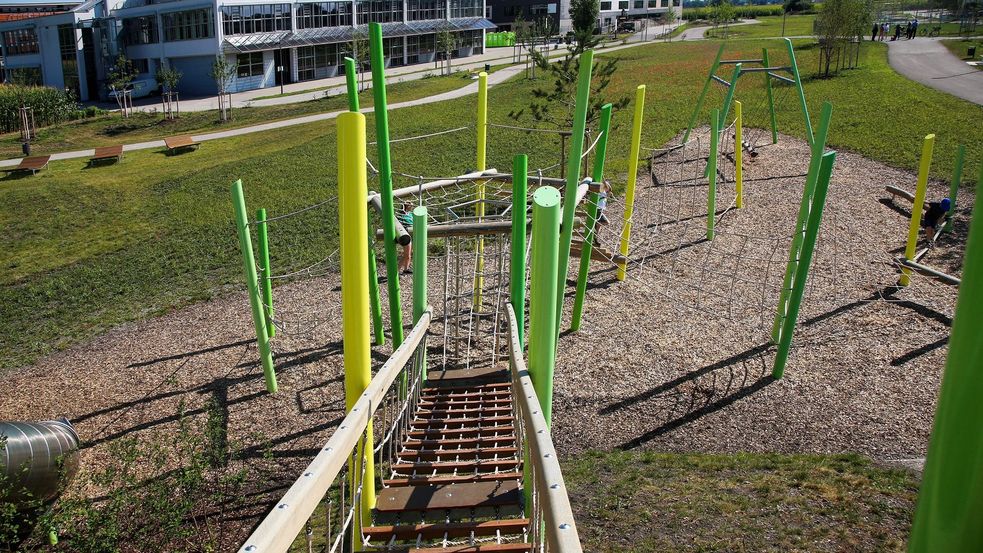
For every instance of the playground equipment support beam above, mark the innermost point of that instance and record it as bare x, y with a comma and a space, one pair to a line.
252, 284
947, 517
739, 154
420, 243
925, 163
385, 181
712, 173
482, 132
636, 144
542, 294
929, 271
353, 218
720, 80
264, 270
703, 94
802, 93
957, 176
732, 62
771, 98
781, 78
729, 99
517, 260
351, 74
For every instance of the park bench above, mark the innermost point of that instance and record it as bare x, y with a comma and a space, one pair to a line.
32, 164
177, 143
107, 153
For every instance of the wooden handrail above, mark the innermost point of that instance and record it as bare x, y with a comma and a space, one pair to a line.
287, 519
561, 530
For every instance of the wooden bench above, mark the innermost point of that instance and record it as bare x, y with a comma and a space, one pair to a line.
177, 143
32, 164
107, 153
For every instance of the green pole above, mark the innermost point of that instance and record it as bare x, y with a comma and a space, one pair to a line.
793, 255
771, 98
264, 270
517, 269
573, 178
703, 94
729, 99
419, 270
802, 270
597, 178
712, 173
542, 294
252, 283
951, 498
351, 83
957, 176
802, 94
386, 181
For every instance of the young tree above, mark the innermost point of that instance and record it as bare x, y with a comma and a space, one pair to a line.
838, 23
168, 77
224, 71
522, 34
670, 18
120, 76
722, 14
583, 16
358, 49
446, 43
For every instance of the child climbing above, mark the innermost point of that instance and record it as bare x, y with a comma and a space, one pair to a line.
405, 217
935, 216
602, 202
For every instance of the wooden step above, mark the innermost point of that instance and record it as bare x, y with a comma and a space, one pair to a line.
449, 530
490, 441
461, 422
481, 432
451, 479
482, 453
441, 403
494, 388
458, 377
465, 467
444, 413
449, 496
481, 548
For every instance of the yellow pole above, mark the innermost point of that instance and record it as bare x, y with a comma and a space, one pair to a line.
355, 320
739, 154
479, 280
916, 208
636, 145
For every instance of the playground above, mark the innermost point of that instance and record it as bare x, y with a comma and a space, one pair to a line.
740, 290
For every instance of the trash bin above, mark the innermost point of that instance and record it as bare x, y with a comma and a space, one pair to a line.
487, 68
971, 53
26, 148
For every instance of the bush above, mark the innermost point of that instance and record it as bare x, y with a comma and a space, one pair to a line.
50, 106
740, 12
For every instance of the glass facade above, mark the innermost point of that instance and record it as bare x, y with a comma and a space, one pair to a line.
316, 62
379, 11
259, 18
467, 8
21, 41
420, 10
393, 47
249, 65
68, 48
140, 30
188, 25
27, 76
314, 15
420, 45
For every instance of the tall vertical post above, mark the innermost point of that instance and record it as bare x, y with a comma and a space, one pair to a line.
729, 98
353, 219
800, 223
739, 154
542, 294
712, 172
951, 498
420, 243
802, 269
517, 260
703, 93
386, 181
266, 284
957, 177
597, 178
916, 209
351, 84
482, 132
636, 144
482, 123
573, 178
252, 285
802, 93
773, 117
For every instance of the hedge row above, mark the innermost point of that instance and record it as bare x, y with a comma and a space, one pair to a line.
740, 12
50, 106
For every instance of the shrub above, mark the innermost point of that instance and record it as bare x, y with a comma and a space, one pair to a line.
50, 105
740, 12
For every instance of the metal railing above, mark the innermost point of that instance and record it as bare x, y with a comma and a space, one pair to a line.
551, 523
325, 503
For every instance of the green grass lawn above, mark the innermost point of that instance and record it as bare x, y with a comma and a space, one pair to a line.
960, 46
643, 501
767, 27
87, 249
113, 129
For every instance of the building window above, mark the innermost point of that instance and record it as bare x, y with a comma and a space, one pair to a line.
605, 6
418, 45
393, 48
261, 18
427, 9
188, 25
653, 3
675, 3
21, 41
68, 48
537, 11
379, 11
314, 15
316, 62
467, 8
27, 76
623, 5
140, 30
249, 65
639, 4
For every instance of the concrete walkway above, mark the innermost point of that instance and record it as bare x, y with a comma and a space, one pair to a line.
927, 61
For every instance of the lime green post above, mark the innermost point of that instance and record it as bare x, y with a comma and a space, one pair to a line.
573, 178
957, 176
729, 99
802, 93
592, 214
266, 284
802, 269
351, 82
542, 294
712, 173
386, 181
771, 98
252, 284
915, 224
517, 260
636, 143
800, 224
951, 498
703, 94
420, 247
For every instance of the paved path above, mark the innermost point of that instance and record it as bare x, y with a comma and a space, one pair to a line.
699, 33
927, 61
